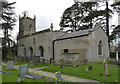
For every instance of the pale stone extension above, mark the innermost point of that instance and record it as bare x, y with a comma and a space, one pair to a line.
52, 75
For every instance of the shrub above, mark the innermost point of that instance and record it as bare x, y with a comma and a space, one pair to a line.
9, 56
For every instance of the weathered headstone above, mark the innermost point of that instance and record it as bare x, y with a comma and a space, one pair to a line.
23, 70
117, 56
15, 59
61, 61
100, 74
61, 66
53, 62
10, 65
50, 60
4, 72
31, 63
106, 73
90, 67
86, 70
43, 61
58, 77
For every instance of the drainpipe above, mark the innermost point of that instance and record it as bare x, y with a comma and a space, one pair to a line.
53, 49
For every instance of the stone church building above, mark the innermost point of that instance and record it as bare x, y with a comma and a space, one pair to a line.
84, 46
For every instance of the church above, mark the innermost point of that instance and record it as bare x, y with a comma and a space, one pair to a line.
85, 46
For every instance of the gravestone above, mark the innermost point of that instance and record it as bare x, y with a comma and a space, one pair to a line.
31, 63
61, 66
86, 70
117, 56
43, 61
18, 59
90, 67
37, 58
4, 72
100, 74
106, 73
10, 65
23, 70
61, 61
58, 77
47, 80
51, 60
15, 59
26, 59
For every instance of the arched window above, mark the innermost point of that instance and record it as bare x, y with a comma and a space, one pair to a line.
41, 51
100, 48
31, 51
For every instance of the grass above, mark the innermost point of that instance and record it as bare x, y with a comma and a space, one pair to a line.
13, 75
93, 74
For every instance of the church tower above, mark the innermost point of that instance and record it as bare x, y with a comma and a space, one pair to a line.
27, 25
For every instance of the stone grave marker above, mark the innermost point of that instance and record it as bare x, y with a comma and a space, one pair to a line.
23, 70
61, 61
10, 65
35, 62
50, 61
86, 70
58, 77
106, 73
53, 62
4, 72
90, 67
31, 63
15, 59
61, 66
43, 61
100, 74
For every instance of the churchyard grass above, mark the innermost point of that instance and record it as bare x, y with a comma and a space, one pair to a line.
79, 71
13, 75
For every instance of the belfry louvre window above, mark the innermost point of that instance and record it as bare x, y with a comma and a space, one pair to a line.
100, 48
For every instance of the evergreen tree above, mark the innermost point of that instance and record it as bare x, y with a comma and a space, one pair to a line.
8, 21
84, 15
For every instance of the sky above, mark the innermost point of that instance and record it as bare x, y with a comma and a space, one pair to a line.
46, 11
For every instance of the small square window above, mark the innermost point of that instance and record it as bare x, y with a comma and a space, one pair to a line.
65, 50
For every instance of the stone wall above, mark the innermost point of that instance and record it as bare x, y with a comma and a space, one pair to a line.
35, 41
77, 48
95, 37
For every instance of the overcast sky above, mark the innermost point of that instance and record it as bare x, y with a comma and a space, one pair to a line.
46, 11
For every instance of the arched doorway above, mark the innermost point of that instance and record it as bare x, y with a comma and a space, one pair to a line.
100, 48
31, 51
41, 51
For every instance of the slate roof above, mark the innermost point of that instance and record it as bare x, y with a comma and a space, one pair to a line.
75, 34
